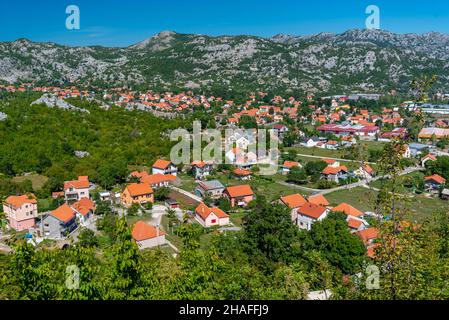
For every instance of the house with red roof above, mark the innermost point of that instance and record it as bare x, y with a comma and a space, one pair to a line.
147, 236
59, 223
242, 174
158, 180
84, 209
368, 237
319, 200
334, 173
139, 193
434, 183
348, 210
293, 202
356, 224
210, 217
76, 189
288, 165
164, 167
309, 213
365, 172
202, 169
21, 211
429, 157
239, 195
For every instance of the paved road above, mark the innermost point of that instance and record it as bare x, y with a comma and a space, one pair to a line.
360, 183
336, 159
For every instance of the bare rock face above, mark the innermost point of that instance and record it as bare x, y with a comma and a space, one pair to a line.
325, 62
3, 116
53, 101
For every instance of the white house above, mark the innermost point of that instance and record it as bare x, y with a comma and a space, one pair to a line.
77, 189
209, 217
309, 213
164, 167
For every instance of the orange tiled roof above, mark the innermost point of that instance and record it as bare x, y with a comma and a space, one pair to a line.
354, 223
240, 191
241, 172
348, 209
368, 234
318, 199
290, 164
142, 231
84, 206
139, 189
161, 164
18, 201
157, 178
81, 183
437, 178
334, 170
64, 213
294, 200
311, 210
204, 211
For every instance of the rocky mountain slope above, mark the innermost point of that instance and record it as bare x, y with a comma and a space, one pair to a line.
357, 60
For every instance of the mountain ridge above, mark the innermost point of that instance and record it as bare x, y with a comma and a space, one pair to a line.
361, 60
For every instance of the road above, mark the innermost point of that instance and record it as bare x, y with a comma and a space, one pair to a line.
336, 159
360, 183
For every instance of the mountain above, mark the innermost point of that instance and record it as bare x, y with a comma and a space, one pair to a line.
356, 60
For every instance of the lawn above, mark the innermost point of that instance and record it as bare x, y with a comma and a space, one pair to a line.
37, 181
378, 184
187, 182
419, 207
317, 152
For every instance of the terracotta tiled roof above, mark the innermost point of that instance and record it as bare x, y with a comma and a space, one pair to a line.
18, 201
311, 210
354, 223
294, 200
84, 206
348, 209
64, 213
161, 164
81, 183
139, 189
437, 178
143, 231
334, 170
157, 178
318, 199
368, 234
290, 164
241, 172
204, 211
239, 191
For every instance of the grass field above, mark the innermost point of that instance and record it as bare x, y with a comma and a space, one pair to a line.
419, 207
38, 181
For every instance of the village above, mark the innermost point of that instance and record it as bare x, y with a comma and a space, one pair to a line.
321, 170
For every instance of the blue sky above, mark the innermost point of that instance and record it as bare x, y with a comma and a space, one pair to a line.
122, 23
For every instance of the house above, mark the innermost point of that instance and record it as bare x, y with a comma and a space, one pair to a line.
416, 149
288, 165
164, 167
158, 180
209, 217
331, 162
147, 236
356, 224
310, 142
59, 223
239, 195
21, 211
334, 173
293, 202
242, 174
445, 194
213, 189
331, 145
84, 209
348, 210
77, 189
319, 200
429, 157
201, 169
280, 130
368, 237
364, 172
309, 213
407, 153
139, 193
434, 183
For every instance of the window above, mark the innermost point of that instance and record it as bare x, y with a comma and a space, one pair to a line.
213, 221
